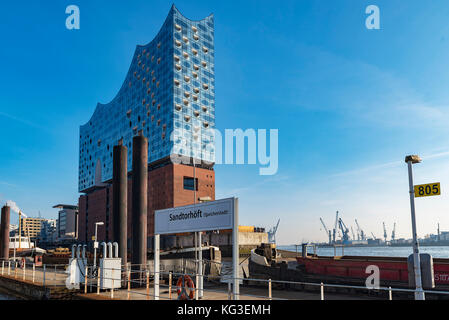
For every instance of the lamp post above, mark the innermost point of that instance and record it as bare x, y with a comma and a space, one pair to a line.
419, 293
96, 242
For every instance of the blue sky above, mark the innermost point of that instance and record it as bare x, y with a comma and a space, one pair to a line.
349, 103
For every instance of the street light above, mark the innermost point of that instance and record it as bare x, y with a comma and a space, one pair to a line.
419, 293
95, 242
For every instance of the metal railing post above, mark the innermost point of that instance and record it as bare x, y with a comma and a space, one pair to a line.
269, 289
390, 293
85, 279
169, 284
3, 266
98, 280
229, 291
54, 277
196, 286
9, 268
112, 287
34, 271
24, 271
322, 291
43, 279
148, 284
129, 283
15, 270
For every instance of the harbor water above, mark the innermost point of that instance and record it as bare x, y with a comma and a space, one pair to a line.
380, 251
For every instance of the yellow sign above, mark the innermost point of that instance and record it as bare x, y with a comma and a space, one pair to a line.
428, 190
93, 238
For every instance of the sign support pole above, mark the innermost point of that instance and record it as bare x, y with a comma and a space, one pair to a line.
235, 250
156, 266
419, 293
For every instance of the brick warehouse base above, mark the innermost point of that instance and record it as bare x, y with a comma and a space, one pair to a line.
165, 190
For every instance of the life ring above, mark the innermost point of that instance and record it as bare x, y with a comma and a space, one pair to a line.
185, 284
22, 263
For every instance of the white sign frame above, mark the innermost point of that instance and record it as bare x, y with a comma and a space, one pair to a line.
208, 226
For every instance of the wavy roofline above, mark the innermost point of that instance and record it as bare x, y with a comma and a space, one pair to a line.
99, 104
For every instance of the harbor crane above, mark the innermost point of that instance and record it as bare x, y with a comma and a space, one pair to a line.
360, 232
385, 232
272, 233
344, 231
374, 237
334, 236
353, 236
393, 233
328, 232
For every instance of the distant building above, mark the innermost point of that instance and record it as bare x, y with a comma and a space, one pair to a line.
31, 227
48, 231
67, 225
13, 228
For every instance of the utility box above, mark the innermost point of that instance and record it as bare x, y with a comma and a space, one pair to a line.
111, 274
427, 274
76, 267
110, 267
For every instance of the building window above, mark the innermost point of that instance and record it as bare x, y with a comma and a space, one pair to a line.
189, 183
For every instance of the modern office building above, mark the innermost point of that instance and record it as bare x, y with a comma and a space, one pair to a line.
67, 224
169, 97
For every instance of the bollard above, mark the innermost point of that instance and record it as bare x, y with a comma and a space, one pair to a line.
85, 279
98, 280
390, 293
229, 291
148, 284
43, 280
169, 285
322, 291
129, 282
34, 271
269, 289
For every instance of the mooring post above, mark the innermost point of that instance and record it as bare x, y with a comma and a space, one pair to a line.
169, 284
390, 293
269, 289
322, 291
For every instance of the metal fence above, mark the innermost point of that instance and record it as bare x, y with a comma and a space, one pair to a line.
138, 281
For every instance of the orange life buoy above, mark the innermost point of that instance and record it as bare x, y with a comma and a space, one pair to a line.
185, 283
22, 263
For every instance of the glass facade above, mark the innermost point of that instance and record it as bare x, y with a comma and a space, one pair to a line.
168, 94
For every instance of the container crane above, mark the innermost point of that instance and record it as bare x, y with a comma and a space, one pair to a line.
385, 232
334, 237
328, 232
344, 231
353, 236
360, 232
393, 233
272, 233
374, 237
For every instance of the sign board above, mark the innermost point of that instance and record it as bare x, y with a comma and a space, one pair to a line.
93, 238
213, 215
428, 190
